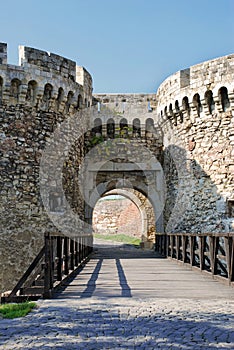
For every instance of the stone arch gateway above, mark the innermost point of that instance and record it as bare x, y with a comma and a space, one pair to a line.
191, 145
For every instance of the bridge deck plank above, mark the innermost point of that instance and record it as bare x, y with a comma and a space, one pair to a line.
124, 271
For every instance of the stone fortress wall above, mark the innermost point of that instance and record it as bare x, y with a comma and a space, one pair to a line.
188, 125
35, 97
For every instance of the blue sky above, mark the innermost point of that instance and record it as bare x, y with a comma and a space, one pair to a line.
127, 45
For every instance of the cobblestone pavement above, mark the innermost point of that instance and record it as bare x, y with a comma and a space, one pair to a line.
94, 320
122, 323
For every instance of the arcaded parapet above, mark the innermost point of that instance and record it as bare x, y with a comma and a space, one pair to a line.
128, 116
195, 109
130, 106
207, 76
44, 80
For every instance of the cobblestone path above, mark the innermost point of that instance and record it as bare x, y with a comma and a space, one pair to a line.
101, 319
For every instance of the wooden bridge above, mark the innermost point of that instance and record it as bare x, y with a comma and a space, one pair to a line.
183, 265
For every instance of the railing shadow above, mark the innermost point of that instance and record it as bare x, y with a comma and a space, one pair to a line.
91, 285
126, 290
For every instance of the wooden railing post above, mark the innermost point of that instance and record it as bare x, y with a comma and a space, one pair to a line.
71, 254
166, 244
212, 253
201, 251
160, 246
183, 248
161, 243
65, 256
91, 244
85, 246
216, 248
59, 258
157, 243
170, 246
79, 250
229, 248
76, 253
177, 245
191, 239
48, 278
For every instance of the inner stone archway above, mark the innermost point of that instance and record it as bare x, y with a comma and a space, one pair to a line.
141, 183
117, 215
143, 223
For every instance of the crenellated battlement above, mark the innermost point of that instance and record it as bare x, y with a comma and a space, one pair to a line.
44, 80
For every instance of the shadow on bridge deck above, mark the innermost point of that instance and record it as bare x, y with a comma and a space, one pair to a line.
117, 270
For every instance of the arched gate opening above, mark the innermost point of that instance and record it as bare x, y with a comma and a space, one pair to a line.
125, 211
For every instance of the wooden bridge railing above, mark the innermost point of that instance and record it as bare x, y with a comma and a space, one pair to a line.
209, 252
59, 258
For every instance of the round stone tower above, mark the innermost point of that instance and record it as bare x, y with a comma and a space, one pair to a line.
35, 97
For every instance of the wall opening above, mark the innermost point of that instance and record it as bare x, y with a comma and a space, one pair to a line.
197, 103
123, 125
223, 96
185, 104
110, 128
97, 129
210, 101
136, 128
117, 215
125, 211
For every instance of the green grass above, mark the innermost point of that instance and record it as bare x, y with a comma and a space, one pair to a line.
16, 310
119, 238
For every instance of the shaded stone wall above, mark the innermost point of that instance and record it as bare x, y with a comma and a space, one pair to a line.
195, 112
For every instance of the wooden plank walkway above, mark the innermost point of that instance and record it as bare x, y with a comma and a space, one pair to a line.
116, 270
